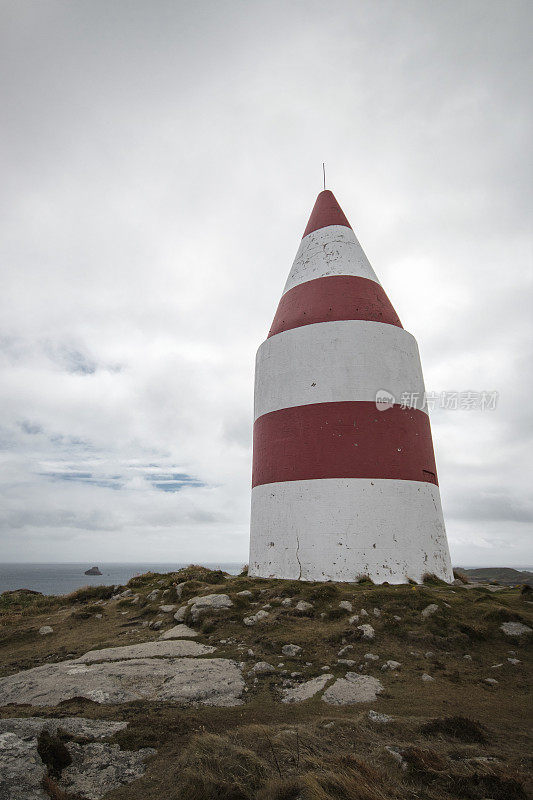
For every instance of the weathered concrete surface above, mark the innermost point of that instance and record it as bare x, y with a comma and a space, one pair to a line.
96, 767
304, 691
215, 682
353, 688
147, 650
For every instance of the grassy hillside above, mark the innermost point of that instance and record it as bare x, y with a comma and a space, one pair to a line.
455, 736
504, 575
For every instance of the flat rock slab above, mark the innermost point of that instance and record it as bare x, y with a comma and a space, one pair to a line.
179, 632
304, 691
96, 768
353, 688
30, 727
147, 650
213, 682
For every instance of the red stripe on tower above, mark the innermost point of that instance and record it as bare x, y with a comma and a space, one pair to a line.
338, 297
343, 440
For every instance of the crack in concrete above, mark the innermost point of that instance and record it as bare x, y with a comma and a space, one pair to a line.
298, 557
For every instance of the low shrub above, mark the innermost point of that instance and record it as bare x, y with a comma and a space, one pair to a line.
430, 579
195, 572
87, 593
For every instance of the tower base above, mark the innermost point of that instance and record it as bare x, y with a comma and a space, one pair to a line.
339, 529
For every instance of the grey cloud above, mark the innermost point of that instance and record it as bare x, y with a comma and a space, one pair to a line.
159, 163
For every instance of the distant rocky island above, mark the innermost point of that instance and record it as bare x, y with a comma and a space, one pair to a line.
92, 571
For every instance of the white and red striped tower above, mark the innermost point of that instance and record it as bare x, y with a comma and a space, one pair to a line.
340, 487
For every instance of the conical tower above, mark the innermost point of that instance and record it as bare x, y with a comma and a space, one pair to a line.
344, 479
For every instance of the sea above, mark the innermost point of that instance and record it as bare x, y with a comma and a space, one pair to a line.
65, 578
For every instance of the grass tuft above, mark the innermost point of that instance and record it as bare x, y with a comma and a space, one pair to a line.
460, 728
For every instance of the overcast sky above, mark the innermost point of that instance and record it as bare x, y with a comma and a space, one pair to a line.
159, 162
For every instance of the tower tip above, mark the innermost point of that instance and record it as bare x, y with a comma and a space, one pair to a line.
326, 211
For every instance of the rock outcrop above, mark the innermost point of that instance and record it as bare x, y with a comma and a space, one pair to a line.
96, 767
163, 670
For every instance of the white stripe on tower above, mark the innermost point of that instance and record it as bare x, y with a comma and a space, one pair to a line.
329, 251
320, 364
341, 488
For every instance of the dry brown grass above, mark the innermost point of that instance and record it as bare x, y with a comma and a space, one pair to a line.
265, 750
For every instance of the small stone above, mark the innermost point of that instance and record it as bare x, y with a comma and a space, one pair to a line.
397, 618
263, 668
296, 674
286, 602
45, 629
248, 621
467, 657
152, 596
348, 662
363, 613
126, 593
353, 619
353, 688
244, 593
426, 677
429, 654
367, 631
429, 610
496, 666
156, 625
167, 609
305, 690
209, 602
179, 632
303, 606
376, 717
325, 668
329, 725
491, 680
392, 665
346, 605
377, 612
181, 613
267, 606
344, 650
397, 756
371, 657
514, 661
291, 650
515, 628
